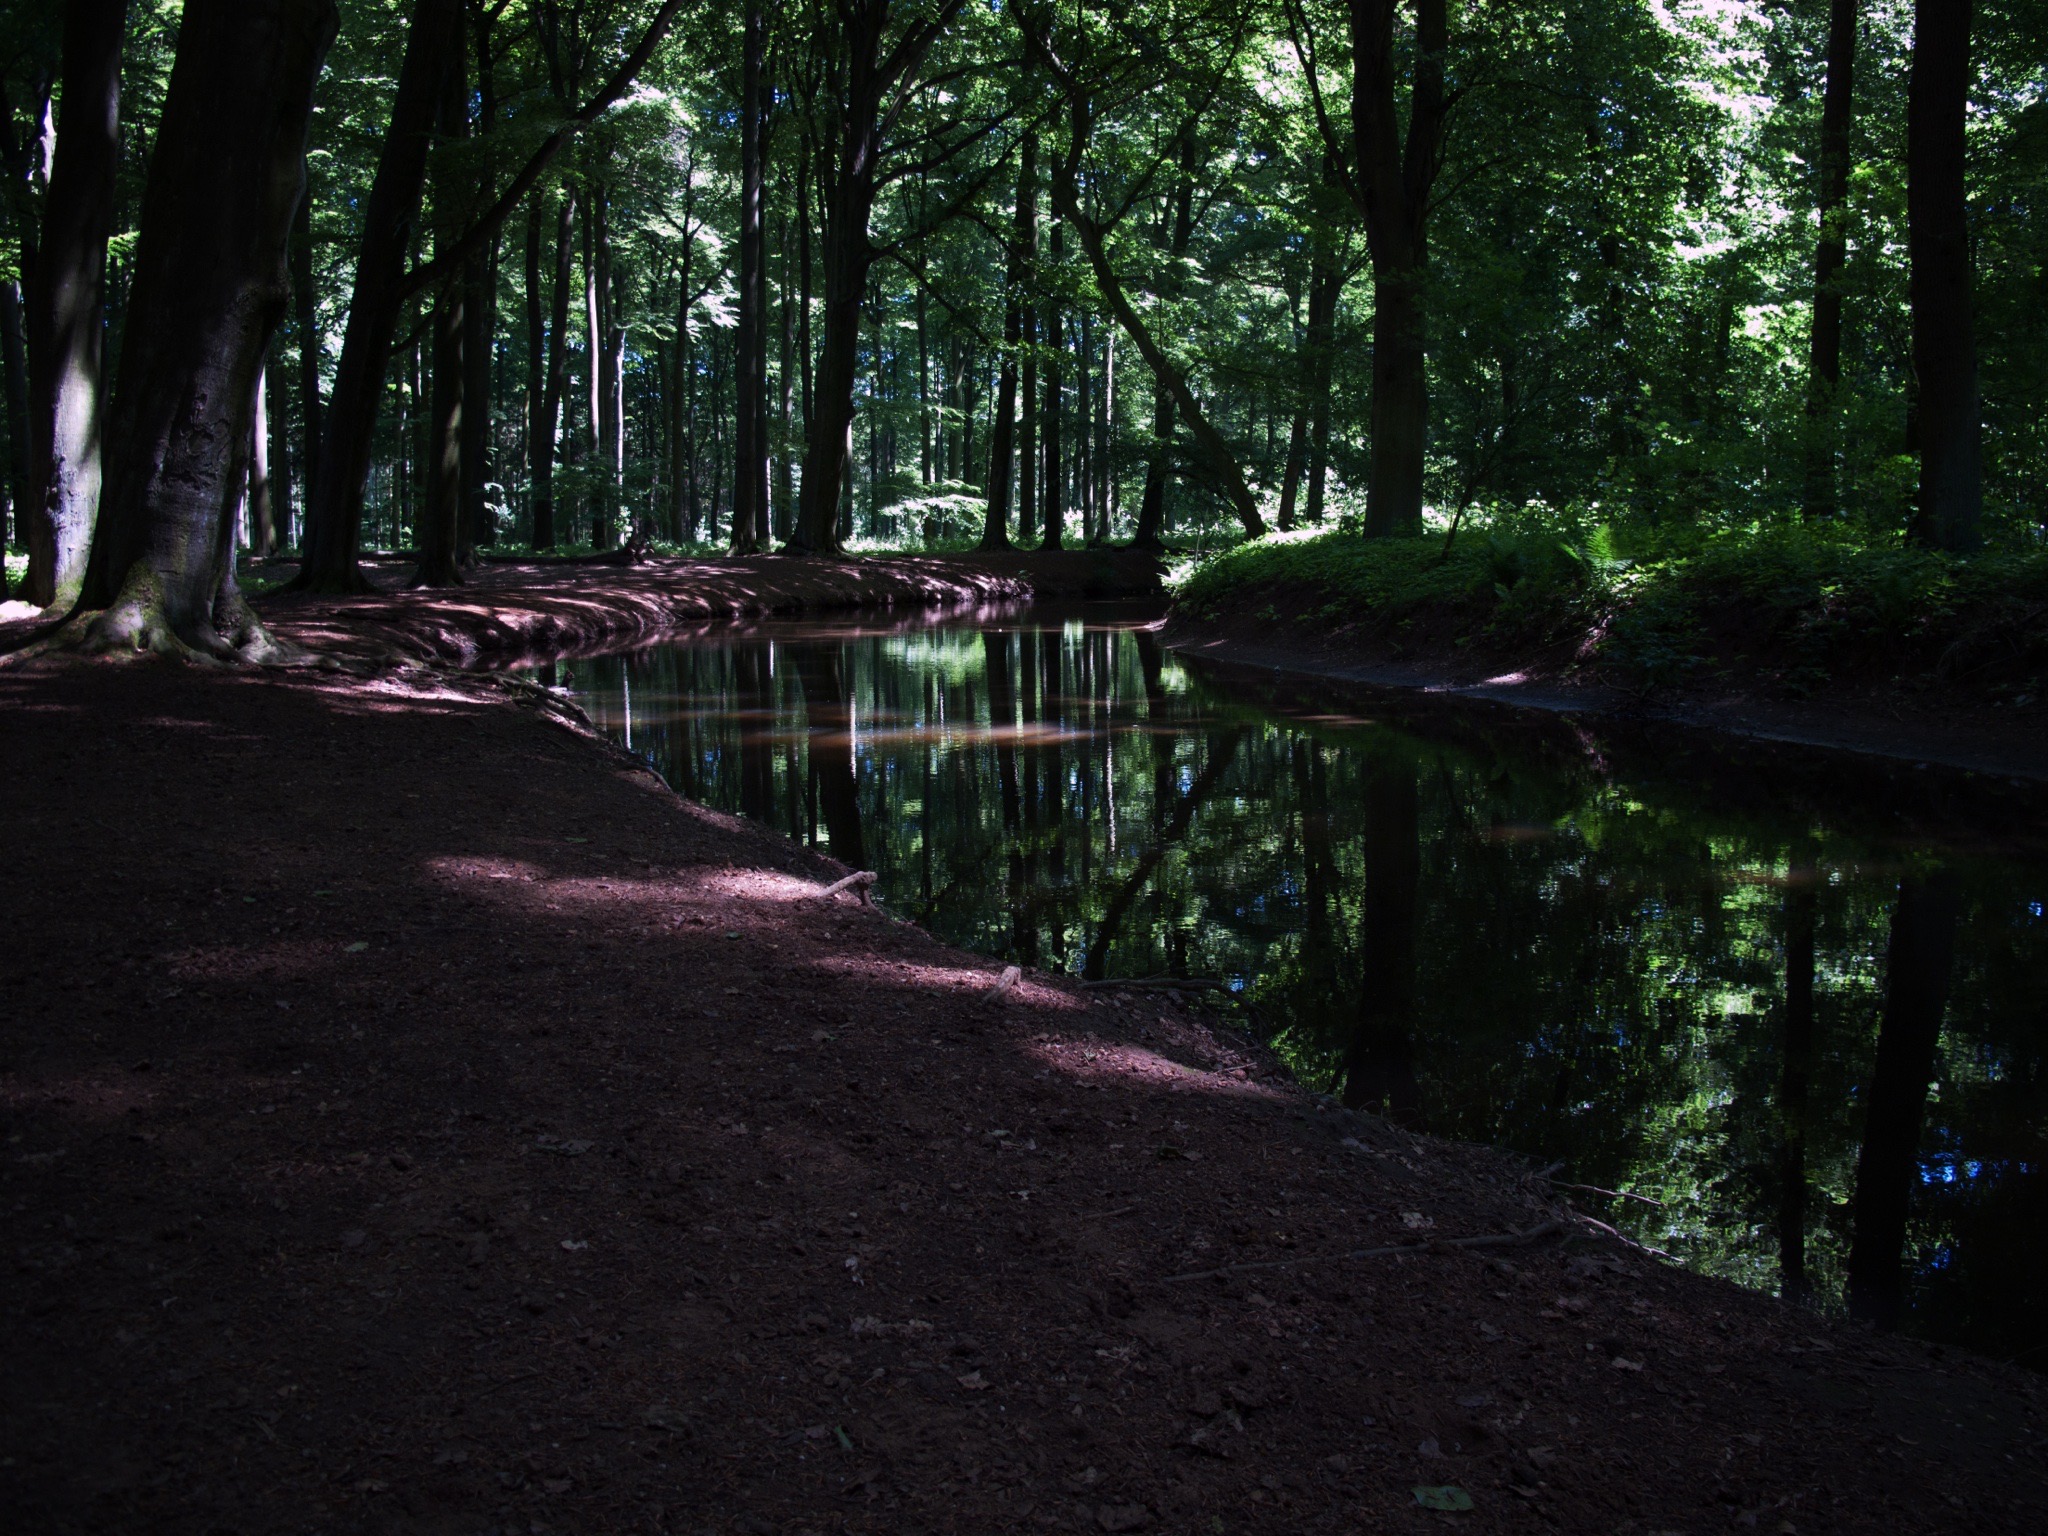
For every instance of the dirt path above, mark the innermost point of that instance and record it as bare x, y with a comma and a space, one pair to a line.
418, 1120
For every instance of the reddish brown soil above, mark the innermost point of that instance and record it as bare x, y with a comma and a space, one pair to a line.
416, 1119
538, 610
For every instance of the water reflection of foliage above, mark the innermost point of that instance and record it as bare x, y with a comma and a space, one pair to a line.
1594, 965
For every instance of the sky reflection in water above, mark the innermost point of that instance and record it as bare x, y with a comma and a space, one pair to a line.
1672, 974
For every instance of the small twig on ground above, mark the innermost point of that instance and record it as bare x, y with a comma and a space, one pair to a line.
1612, 1194
1434, 1245
858, 881
1619, 1236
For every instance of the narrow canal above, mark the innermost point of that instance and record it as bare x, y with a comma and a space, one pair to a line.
1783, 1018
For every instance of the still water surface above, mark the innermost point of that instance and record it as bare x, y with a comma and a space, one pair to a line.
1798, 1013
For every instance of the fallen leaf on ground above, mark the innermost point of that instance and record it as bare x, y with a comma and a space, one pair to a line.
1448, 1496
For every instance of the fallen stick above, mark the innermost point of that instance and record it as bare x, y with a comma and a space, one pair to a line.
860, 879
1612, 1194
1495, 1240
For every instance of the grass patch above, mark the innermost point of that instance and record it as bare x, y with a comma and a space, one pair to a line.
1793, 609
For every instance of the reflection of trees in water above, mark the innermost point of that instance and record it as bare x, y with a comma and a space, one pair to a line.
1679, 999
1916, 992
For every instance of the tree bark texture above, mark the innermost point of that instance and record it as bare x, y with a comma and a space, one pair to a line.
1916, 995
1159, 462
64, 306
1054, 507
1002, 440
438, 535
1824, 352
557, 375
1393, 178
750, 461
306, 322
334, 523
211, 284
1950, 508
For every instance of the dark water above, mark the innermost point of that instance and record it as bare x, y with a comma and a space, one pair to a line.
1801, 1007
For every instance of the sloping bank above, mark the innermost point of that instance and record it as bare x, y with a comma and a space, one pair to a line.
514, 611
447, 1128
1897, 653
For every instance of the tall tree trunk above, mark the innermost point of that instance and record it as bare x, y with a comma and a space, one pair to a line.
596, 261
1824, 351
306, 323
536, 348
682, 488
1159, 462
64, 303
479, 332
557, 374
1325, 283
750, 466
334, 525
1002, 450
438, 535
1393, 182
1054, 485
784, 503
14, 381
1916, 994
210, 287
1951, 502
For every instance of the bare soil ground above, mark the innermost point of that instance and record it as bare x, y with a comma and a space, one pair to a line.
414, 1118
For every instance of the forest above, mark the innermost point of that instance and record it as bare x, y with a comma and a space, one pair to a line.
903, 766
1628, 276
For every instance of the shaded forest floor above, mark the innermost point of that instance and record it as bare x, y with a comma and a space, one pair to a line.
419, 1120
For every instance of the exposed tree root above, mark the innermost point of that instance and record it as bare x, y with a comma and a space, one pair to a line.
139, 622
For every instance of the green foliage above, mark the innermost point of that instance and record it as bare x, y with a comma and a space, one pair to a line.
1791, 606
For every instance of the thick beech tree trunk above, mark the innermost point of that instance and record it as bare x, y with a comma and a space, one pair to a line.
1895, 1108
64, 306
479, 330
334, 522
750, 372
1951, 502
1824, 351
210, 285
1393, 181
536, 346
557, 375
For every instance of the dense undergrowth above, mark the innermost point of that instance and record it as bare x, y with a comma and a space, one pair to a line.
1793, 609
